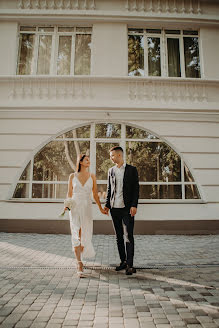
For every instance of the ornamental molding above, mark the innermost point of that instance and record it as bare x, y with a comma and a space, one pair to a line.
57, 4
165, 6
162, 91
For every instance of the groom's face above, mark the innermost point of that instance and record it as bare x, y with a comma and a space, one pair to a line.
114, 156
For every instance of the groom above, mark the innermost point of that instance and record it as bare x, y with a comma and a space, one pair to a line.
122, 201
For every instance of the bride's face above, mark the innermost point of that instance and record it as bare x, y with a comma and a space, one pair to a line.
86, 162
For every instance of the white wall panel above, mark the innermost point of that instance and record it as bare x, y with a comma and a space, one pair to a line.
202, 160
174, 128
7, 175
13, 158
195, 145
21, 141
211, 193
4, 190
38, 126
207, 177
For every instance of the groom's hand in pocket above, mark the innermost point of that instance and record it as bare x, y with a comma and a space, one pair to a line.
133, 211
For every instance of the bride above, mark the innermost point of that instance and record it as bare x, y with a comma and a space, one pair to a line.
80, 187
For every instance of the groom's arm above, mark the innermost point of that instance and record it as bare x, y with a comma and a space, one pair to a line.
135, 188
107, 204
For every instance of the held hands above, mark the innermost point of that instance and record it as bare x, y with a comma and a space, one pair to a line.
133, 211
104, 210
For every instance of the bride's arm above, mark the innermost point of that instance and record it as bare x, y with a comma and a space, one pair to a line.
70, 186
95, 193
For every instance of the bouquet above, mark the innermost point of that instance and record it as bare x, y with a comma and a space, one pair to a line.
69, 203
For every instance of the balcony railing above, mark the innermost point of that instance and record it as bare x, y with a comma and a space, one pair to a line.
101, 91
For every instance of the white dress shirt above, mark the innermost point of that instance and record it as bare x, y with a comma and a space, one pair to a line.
119, 174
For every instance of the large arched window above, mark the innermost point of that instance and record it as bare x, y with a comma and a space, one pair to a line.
163, 175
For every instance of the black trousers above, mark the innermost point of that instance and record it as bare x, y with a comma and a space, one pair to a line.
124, 227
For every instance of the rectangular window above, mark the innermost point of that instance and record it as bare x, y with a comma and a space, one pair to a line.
173, 57
191, 52
159, 52
54, 50
154, 68
136, 55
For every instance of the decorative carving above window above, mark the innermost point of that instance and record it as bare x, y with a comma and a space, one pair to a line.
57, 4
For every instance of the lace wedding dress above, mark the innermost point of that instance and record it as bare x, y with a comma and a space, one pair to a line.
81, 216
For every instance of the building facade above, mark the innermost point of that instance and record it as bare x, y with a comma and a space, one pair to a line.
80, 76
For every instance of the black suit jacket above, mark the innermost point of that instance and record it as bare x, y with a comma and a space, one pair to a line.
130, 187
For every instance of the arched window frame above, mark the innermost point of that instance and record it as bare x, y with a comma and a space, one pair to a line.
122, 141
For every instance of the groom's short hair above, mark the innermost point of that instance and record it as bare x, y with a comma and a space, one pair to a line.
116, 148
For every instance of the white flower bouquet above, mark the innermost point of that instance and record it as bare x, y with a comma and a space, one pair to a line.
70, 204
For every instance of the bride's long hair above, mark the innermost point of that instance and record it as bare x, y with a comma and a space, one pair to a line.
79, 160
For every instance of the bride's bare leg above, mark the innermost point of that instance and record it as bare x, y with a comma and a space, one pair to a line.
82, 247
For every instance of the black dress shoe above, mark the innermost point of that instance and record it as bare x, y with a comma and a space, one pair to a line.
122, 266
130, 270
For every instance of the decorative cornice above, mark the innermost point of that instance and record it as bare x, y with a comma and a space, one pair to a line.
56, 4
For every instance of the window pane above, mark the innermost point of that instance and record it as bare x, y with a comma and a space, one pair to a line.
64, 55
135, 30
154, 68
58, 159
82, 132
84, 29
21, 191
155, 161
160, 192
153, 31
57, 191
173, 57
136, 55
108, 130
188, 175
82, 54
65, 29
190, 32
135, 133
28, 28
46, 29
44, 54
192, 192
191, 52
26, 54
172, 31
102, 190
26, 173
103, 162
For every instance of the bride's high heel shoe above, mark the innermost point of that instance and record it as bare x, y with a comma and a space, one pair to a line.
80, 270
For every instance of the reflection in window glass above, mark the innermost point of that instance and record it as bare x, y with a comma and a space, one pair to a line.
82, 54
64, 55
57, 160
135, 133
44, 54
103, 161
102, 190
26, 54
56, 191
136, 55
26, 173
188, 175
173, 57
84, 29
160, 192
154, 68
191, 52
155, 161
191, 192
82, 132
21, 191
108, 130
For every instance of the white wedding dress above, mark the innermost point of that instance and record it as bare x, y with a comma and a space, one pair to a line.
81, 216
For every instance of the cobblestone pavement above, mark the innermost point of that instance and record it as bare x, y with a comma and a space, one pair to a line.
179, 286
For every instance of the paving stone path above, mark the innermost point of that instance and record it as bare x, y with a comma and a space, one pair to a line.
179, 286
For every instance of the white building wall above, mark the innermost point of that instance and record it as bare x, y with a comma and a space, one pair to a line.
192, 129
